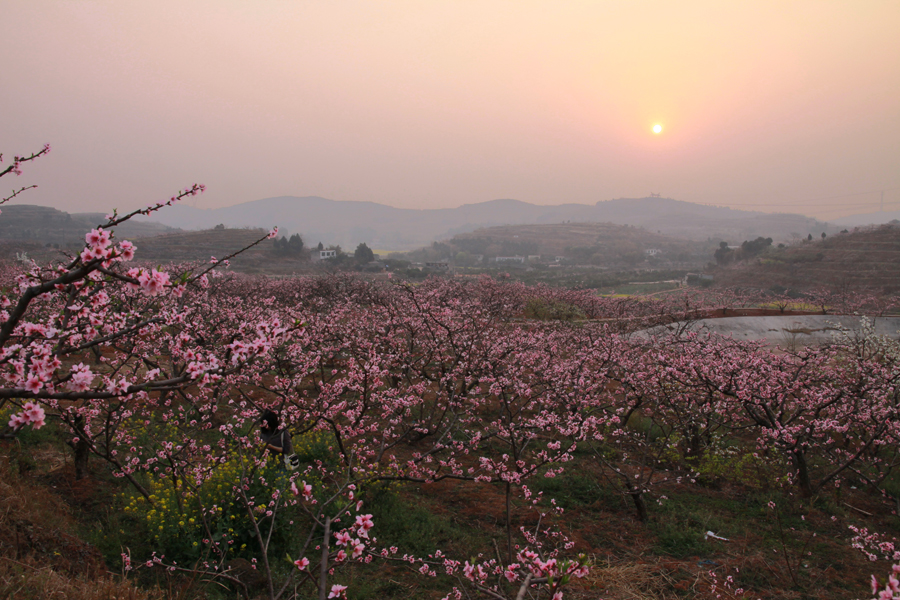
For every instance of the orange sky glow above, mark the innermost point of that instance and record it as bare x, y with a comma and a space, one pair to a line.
771, 106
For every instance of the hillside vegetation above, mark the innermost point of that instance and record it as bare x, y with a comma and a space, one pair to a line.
183, 247
194, 246
43, 225
601, 244
865, 258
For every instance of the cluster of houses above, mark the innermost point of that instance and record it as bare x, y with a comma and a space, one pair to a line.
530, 259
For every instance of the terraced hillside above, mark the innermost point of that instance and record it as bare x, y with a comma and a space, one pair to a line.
180, 246
603, 244
864, 258
189, 246
44, 225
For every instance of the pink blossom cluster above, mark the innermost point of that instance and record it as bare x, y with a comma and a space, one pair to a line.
304, 489
31, 414
891, 589
337, 591
529, 570
98, 246
874, 545
149, 281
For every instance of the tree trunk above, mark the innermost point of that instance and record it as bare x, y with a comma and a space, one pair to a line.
82, 454
509, 544
638, 497
802, 473
323, 564
694, 447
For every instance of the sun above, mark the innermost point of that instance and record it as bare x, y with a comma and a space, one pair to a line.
657, 129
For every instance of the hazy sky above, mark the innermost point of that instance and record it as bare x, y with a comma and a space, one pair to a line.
776, 106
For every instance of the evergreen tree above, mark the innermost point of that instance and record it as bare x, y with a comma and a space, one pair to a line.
363, 254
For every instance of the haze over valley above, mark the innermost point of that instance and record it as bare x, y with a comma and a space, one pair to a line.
346, 223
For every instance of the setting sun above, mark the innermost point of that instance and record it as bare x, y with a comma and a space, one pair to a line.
657, 128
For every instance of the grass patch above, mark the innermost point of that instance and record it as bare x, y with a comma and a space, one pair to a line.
408, 524
573, 489
682, 521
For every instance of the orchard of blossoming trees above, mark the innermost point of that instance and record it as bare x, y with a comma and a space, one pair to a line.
161, 375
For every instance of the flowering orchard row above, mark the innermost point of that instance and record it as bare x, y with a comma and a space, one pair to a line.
162, 374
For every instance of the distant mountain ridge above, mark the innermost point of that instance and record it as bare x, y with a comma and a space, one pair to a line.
380, 226
45, 225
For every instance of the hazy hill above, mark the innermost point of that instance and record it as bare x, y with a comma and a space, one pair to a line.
867, 258
183, 247
876, 218
200, 246
380, 226
601, 244
700, 222
44, 225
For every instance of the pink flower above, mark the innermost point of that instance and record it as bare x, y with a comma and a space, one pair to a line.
337, 591
364, 523
358, 549
343, 538
126, 250
97, 238
98, 252
153, 282
32, 329
31, 413
81, 378
305, 489
302, 563
548, 567
117, 387
17, 421
33, 384
273, 233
